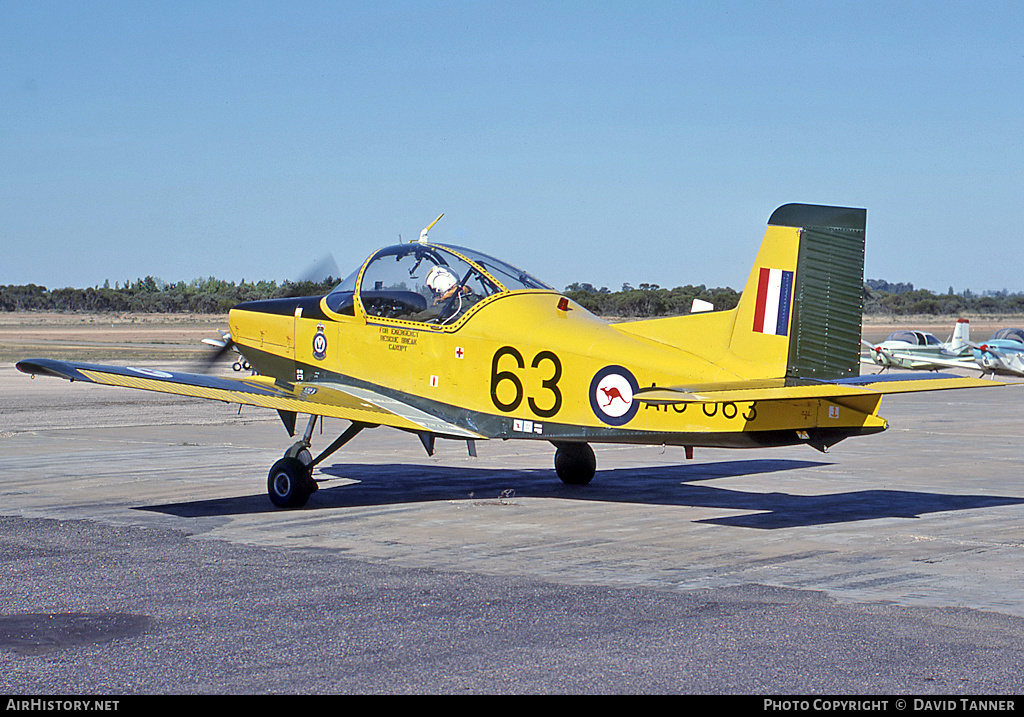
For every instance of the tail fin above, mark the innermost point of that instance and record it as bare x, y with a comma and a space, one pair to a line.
800, 312
961, 335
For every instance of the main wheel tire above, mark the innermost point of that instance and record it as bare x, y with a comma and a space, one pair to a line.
575, 463
306, 458
289, 483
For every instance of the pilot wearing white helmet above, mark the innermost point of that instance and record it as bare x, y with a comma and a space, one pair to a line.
442, 282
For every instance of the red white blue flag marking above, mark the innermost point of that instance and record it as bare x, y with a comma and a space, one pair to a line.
774, 296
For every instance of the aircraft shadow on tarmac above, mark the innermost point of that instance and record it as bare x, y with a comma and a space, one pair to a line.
674, 485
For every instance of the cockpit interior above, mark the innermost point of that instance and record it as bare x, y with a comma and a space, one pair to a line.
428, 283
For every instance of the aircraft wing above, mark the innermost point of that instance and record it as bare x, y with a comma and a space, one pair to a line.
777, 390
361, 405
968, 363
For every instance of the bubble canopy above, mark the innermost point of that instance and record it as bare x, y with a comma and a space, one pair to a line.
1011, 334
915, 338
393, 283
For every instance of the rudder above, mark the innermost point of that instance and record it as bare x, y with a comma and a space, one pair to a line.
800, 312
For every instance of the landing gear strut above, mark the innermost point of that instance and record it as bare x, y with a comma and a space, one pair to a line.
290, 482
575, 463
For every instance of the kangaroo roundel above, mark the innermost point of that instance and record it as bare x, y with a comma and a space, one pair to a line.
611, 395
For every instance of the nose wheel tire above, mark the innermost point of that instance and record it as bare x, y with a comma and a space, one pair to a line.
290, 483
575, 463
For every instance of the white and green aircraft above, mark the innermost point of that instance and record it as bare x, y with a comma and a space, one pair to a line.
922, 351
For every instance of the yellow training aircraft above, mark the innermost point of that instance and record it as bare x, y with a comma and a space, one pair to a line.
446, 342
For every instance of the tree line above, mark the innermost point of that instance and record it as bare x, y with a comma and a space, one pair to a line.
648, 300
151, 295
216, 296
908, 300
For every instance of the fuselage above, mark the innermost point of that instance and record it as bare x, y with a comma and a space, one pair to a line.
524, 362
1001, 357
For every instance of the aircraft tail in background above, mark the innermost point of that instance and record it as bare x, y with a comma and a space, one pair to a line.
961, 335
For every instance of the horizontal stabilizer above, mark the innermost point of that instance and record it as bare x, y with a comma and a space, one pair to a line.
778, 390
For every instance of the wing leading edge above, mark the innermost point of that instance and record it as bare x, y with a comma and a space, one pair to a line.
360, 405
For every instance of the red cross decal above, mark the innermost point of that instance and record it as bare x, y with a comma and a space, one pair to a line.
458, 352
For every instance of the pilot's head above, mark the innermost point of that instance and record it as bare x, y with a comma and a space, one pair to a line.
441, 280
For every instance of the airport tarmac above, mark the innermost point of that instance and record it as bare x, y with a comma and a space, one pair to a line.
891, 564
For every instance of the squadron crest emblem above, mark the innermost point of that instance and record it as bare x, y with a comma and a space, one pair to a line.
320, 343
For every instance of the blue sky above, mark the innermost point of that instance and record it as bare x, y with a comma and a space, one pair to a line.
604, 142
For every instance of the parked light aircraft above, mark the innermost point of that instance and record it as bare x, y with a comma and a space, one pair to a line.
922, 351
224, 344
446, 342
1001, 355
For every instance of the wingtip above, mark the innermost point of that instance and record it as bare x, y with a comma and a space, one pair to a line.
40, 367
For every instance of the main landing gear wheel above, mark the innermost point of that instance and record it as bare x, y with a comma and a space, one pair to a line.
290, 483
575, 463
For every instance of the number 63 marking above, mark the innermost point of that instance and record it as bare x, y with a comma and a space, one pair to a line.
549, 384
